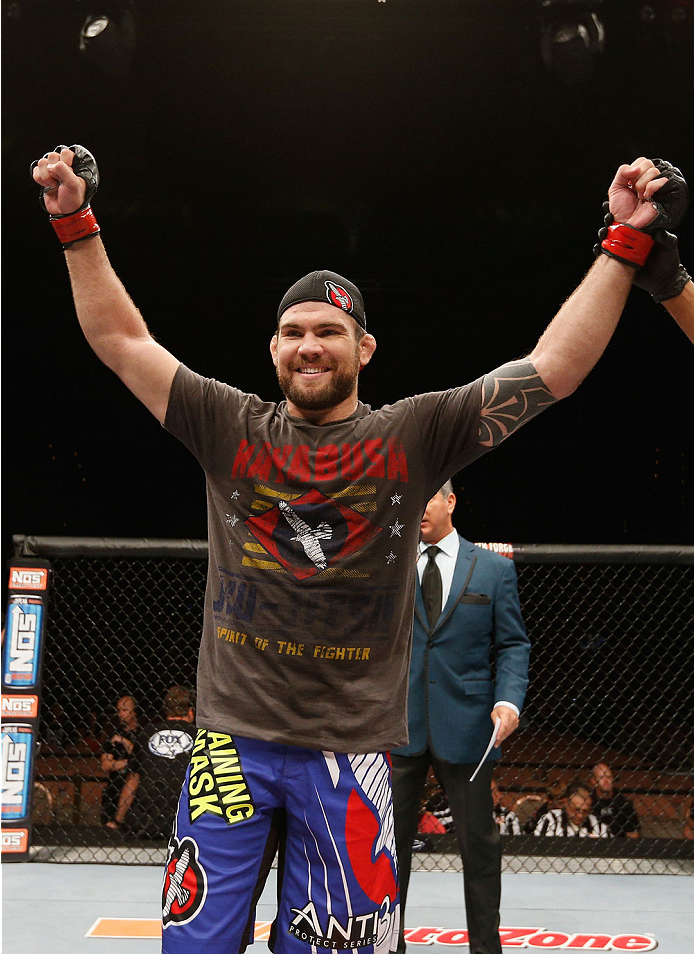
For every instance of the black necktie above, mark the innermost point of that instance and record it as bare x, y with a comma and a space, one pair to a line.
432, 588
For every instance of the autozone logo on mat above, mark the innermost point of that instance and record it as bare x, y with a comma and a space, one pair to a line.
510, 937
533, 937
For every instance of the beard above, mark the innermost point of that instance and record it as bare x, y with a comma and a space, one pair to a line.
341, 384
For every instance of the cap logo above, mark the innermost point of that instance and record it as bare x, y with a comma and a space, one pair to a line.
339, 296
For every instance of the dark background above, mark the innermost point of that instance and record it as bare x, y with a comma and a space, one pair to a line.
423, 149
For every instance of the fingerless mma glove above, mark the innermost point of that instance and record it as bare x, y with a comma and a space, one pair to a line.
626, 244
80, 224
660, 273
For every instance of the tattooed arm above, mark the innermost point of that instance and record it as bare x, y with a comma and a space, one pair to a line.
511, 395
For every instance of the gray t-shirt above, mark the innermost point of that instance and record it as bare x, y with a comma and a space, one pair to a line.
313, 533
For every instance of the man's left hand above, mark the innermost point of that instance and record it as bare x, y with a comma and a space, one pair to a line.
632, 192
509, 723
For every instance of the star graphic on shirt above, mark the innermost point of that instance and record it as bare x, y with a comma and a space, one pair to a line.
235, 495
391, 558
232, 520
395, 528
395, 499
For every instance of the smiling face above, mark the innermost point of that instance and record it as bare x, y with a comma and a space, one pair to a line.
318, 359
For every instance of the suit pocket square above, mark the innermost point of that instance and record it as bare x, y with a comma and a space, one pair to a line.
478, 599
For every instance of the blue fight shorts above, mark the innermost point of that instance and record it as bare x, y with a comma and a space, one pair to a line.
331, 815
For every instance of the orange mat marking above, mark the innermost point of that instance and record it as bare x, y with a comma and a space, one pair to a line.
150, 927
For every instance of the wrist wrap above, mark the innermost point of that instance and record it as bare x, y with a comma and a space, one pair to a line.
75, 227
627, 244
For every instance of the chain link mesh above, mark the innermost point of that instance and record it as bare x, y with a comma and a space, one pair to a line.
610, 682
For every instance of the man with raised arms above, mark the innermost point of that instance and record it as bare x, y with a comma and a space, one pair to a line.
314, 509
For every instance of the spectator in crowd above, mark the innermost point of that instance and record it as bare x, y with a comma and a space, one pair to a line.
56, 733
506, 819
91, 736
551, 798
581, 787
610, 805
574, 819
115, 754
158, 767
435, 816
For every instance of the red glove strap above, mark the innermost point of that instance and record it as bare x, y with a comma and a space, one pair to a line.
72, 228
627, 244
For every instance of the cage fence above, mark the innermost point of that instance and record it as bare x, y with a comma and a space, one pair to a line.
598, 777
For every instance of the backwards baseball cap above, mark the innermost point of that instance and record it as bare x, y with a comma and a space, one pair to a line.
329, 287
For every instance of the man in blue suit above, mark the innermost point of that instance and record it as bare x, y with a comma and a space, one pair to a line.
467, 612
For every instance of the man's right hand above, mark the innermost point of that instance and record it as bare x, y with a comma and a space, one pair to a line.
63, 191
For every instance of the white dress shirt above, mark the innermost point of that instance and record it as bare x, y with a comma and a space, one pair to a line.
445, 561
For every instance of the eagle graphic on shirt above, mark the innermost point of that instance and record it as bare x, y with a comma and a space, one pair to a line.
310, 533
308, 538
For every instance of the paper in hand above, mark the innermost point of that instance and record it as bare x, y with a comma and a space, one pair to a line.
497, 726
